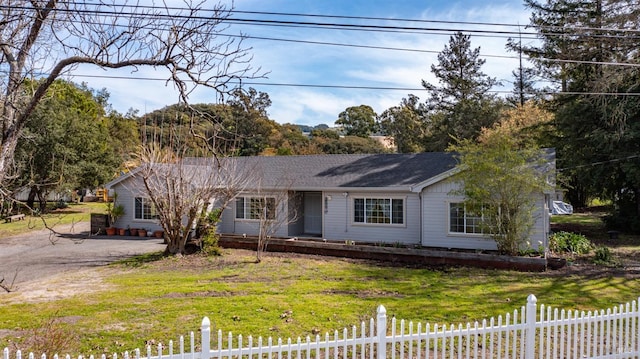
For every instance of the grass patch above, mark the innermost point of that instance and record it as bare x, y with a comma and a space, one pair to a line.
140, 260
152, 298
74, 213
292, 295
587, 223
590, 224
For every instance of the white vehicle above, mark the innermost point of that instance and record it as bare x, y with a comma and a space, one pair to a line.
559, 207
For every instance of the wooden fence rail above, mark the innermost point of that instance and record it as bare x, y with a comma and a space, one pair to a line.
534, 332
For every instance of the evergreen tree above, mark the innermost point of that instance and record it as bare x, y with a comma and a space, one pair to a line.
523, 79
249, 127
584, 46
461, 104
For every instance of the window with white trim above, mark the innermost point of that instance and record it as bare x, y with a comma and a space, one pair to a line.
463, 221
144, 209
378, 210
255, 208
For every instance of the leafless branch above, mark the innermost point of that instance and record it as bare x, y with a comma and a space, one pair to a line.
11, 286
49, 39
181, 187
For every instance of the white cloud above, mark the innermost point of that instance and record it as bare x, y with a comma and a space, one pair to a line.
379, 68
299, 63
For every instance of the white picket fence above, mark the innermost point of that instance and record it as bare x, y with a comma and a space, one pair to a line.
535, 332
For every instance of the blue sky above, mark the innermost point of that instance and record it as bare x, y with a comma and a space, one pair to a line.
313, 64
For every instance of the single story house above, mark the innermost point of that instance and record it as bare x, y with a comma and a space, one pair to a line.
400, 199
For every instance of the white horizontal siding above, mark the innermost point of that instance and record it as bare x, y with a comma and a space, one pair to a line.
339, 225
539, 235
227, 219
251, 227
435, 227
127, 191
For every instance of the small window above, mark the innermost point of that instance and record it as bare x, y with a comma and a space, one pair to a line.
378, 210
144, 209
463, 221
256, 208
240, 207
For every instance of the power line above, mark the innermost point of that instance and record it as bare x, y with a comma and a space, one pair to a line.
324, 25
102, 12
351, 17
480, 23
611, 63
354, 87
356, 45
270, 22
434, 51
599, 163
376, 18
437, 31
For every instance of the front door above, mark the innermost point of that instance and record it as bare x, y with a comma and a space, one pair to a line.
313, 213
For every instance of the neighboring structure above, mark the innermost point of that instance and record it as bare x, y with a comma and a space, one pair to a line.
387, 142
382, 198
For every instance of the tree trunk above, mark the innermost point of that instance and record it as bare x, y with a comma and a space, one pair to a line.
175, 246
42, 199
33, 192
171, 249
7, 149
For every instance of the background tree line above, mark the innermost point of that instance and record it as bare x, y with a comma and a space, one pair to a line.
584, 73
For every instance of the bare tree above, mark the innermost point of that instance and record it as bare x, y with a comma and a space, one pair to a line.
52, 38
273, 209
180, 188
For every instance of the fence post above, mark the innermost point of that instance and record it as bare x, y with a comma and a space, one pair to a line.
381, 327
205, 341
530, 327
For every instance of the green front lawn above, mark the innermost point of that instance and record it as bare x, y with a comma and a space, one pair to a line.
291, 296
157, 299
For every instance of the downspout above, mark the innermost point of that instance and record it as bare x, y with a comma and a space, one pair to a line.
346, 211
421, 219
325, 210
411, 189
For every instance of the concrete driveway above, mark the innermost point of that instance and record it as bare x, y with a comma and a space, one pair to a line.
40, 254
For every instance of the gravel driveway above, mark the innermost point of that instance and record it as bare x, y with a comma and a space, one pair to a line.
38, 255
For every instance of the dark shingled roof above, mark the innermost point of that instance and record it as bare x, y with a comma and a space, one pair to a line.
400, 171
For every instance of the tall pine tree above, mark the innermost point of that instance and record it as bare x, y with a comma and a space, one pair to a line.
460, 105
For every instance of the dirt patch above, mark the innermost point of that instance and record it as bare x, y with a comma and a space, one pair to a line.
585, 268
61, 286
628, 265
39, 265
